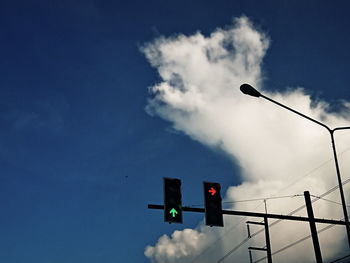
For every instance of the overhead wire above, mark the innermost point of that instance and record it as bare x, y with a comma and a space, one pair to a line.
294, 243
275, 222
261, 199
220, 237
340, 259
279, 220
313, 170
254, 234
252, 200
291, 213
328, 200
236, 225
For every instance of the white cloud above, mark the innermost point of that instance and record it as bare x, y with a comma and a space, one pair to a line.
179, 246
199, 93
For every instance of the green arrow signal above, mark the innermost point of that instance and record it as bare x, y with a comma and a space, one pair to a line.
173, 212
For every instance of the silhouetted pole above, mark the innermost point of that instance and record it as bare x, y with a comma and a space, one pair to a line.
313, 229
249, 90
267, 237
250, 256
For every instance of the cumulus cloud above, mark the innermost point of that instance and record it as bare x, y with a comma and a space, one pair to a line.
276, 150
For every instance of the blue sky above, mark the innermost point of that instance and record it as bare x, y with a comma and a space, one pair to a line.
80, 158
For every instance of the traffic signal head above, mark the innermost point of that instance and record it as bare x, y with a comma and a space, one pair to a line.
213, 209
172, 200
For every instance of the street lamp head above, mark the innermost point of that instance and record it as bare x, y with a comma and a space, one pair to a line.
249, 90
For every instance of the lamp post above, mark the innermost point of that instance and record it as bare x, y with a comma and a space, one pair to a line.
249, 90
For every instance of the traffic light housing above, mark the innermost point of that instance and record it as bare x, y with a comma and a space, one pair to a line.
213, 209
172, 200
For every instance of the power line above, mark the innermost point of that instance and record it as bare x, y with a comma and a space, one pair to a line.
295, 242
233, 250
262, 199
313, 170
253, 200
328, 200
279, 220
340, 259
221, 237
236, 225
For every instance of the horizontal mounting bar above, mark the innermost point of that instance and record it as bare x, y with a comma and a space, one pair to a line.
257, 248
253, 214
255, 223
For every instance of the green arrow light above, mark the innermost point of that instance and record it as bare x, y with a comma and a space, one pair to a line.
173, 212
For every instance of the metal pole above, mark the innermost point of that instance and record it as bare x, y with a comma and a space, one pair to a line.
346, 218
254, 214
267, 237
249, 236
313, 229
249, 90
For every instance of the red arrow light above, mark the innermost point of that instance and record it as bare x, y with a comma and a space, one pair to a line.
212, 191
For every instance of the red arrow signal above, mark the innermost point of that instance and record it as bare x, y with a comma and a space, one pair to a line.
212, 191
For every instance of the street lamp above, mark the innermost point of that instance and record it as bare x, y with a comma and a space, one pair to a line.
249, 90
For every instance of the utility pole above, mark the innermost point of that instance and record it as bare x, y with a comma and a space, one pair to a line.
313, 229
250, 256
267, 237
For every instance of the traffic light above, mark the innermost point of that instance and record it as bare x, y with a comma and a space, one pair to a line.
172, 200
213, 210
